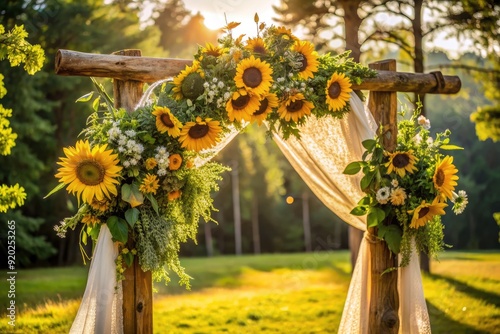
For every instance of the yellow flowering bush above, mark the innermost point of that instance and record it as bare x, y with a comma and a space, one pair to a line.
408, 190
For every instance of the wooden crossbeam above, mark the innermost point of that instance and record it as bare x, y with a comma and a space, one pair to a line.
148, 69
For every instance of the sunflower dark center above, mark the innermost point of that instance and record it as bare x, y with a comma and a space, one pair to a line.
241, 102
295, 106
259, 49
90, 172
401, 160
334, 90
423, 212
192, 86
439, 177
263, 107
198, 131
304, 63
252, 77
165, 119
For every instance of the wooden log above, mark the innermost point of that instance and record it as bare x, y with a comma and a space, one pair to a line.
384, 298
147, 69
144, 69
137, 286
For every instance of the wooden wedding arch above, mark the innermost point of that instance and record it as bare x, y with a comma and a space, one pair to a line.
130, 71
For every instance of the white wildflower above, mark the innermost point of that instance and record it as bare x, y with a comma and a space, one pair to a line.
424, 122
383, 195
394, 183
460, 201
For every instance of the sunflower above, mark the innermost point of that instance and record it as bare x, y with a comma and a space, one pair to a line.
295, 107
337, 91
211, 50
90, 220
173, 195
90, 173
242, 105
285, 33
149, 184
102, 206
167, 122
444, 177
151, 163
254, 75
267, 104
175, 161
401, 162
198, 135
189, 83
426, 211
256, 45
309, 59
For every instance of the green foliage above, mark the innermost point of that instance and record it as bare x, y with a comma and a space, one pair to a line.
487, 121
15, 47
17, 50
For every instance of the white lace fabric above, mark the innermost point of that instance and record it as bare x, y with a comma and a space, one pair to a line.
326, 147
100, 311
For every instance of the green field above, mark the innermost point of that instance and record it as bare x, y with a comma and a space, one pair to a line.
282, 293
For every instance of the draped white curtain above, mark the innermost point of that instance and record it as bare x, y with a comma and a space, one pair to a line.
326, 146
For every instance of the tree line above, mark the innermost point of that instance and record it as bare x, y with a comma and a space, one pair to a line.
46, 117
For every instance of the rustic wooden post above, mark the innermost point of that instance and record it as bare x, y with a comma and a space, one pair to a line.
137, 285
384, 299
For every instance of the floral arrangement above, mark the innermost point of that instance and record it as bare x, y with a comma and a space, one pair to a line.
138, 172
408, 190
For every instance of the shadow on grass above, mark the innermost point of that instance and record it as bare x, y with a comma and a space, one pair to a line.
443, 324
489, 297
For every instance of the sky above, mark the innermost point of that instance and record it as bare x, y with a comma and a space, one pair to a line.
244, 10
235, 10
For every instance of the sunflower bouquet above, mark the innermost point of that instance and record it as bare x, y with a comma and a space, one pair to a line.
140, 173
408, 190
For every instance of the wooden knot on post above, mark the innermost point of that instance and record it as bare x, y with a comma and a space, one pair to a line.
390, 319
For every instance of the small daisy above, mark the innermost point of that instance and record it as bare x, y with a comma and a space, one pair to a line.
460, 201
383, 195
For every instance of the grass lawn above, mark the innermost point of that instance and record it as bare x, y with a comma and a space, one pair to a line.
282, 293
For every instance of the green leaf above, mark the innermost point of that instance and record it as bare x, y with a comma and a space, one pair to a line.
154, 203
451, 147
359, 210
352, 168
132, 195
118, 228
85, 98
364, 201
369, 144
367, 180
129, 258
132, 216
56, 189
95, 104
94, 232
392, 235
84, 237
375, 216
